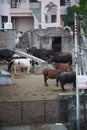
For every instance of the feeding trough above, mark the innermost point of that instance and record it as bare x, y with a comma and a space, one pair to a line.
5, 77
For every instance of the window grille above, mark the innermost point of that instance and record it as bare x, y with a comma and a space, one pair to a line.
65, 2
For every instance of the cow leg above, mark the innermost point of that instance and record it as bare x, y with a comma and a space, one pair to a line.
74, 86
62, 86
15, 70
9, 67
57, 82
45, 81
28, 69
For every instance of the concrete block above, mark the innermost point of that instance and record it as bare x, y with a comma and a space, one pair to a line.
5, 77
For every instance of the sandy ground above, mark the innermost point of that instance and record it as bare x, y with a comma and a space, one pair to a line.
26, 87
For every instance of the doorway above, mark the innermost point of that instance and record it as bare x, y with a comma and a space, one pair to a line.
56, 44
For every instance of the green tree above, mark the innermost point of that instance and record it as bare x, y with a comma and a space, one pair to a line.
82, 10
69, 18
83, 7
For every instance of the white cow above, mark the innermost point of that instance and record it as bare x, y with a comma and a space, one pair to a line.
21, 64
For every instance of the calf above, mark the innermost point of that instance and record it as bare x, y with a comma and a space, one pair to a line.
51, 74
67, 77
21, 64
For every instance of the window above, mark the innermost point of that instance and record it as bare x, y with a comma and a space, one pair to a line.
53, 18
4, 20
67, 2
33, 0
15, 3
62, 2
51, 13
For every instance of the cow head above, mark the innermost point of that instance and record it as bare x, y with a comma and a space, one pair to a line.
32, 62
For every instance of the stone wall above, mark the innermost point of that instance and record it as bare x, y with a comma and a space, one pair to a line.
62, 109
30, 112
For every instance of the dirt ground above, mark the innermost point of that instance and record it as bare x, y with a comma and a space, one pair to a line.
26, 87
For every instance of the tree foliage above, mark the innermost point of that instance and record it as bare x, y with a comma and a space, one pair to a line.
82, 10
83, 7
69, 18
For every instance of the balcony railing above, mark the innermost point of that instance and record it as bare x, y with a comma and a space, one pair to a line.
13, 3
34, 5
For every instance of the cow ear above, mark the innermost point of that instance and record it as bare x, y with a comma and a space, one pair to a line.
30, 61
36, 63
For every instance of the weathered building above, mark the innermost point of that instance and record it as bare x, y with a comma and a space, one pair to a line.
56, 39
34, 14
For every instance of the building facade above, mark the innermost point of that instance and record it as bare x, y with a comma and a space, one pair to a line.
33, 14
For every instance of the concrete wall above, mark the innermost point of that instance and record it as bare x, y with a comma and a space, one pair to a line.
19, 113
67, 44
7, 39
62, 109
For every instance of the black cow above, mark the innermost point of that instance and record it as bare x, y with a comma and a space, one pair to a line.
67, 77
62, 59
46, 54
6, 54
30, 50
34, 51
40, 53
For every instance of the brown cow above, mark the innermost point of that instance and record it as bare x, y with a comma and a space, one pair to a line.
62, 66
64, 53
51, 74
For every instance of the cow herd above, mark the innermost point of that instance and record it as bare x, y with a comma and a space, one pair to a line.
50, 56
62, 63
